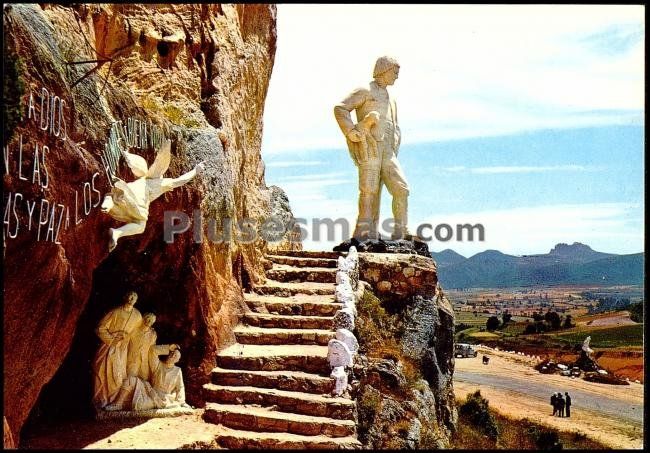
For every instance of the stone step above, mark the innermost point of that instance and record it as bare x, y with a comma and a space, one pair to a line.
284, 273
270, 320
308, 254
237, 439
300, 304
283, 400
273, 287
282, 380
263, 335
303, 261
267, 419
307, 358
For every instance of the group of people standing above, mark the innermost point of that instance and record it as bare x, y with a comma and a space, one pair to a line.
561, 404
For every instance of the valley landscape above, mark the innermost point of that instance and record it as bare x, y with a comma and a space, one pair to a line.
538, 309
161, 160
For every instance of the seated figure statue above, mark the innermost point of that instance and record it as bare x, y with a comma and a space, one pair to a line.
166, 389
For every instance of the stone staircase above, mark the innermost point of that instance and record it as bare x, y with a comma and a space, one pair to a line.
272, 388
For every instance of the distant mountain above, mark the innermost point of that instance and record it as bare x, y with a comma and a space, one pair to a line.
564, 253
564, 264
447, 257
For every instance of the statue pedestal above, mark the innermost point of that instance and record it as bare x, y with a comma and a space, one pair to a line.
151, 413
414, 245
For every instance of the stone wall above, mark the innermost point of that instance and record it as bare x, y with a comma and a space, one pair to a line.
200, 73
399, 275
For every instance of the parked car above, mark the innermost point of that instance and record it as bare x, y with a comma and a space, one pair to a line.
464, 350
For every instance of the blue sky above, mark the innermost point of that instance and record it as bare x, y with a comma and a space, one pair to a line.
528, 120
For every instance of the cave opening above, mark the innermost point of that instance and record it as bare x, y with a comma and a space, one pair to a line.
66, 400
163, 48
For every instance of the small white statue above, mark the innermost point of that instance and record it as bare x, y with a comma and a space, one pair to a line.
348, 338
586, 348
338, 354
129, 202
340, 377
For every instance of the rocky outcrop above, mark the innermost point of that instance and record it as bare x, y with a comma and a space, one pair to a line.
413, 245
287, 234
197, 74
403, 384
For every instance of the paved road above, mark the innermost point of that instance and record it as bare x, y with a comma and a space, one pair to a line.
580, 399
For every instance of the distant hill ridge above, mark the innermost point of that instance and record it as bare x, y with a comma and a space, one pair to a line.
576, 263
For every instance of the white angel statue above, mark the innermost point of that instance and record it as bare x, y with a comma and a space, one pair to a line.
586, 348
129, 202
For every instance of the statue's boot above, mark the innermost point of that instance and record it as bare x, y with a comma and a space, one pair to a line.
366, 227
400, 214
375, 214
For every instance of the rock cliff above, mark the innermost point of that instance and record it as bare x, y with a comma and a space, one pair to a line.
405, 327
197, 74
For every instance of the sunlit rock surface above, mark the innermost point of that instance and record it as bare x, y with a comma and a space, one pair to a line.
200, 73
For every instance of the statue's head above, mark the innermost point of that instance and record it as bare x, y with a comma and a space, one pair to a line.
174, 357
148, 319
386, 70
130, 298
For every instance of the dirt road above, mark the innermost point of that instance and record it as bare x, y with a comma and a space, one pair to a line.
611, 414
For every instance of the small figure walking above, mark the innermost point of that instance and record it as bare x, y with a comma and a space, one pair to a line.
561, 405
568, 404
554, 403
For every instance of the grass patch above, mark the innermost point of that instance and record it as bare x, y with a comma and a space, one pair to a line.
610, 337
375, 327
13, 89
484, 335
520, 434
466, 317
476, 411
170, 111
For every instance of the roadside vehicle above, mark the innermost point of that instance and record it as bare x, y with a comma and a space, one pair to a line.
464, 350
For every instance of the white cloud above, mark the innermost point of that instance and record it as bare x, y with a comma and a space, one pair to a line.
312, 177
466, 70
295, 163
514, 169
607, 227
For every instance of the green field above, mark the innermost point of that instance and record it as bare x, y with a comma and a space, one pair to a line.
465, 317
475, 334
606, 338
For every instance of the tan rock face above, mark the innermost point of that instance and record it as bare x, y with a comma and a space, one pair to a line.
198, 72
